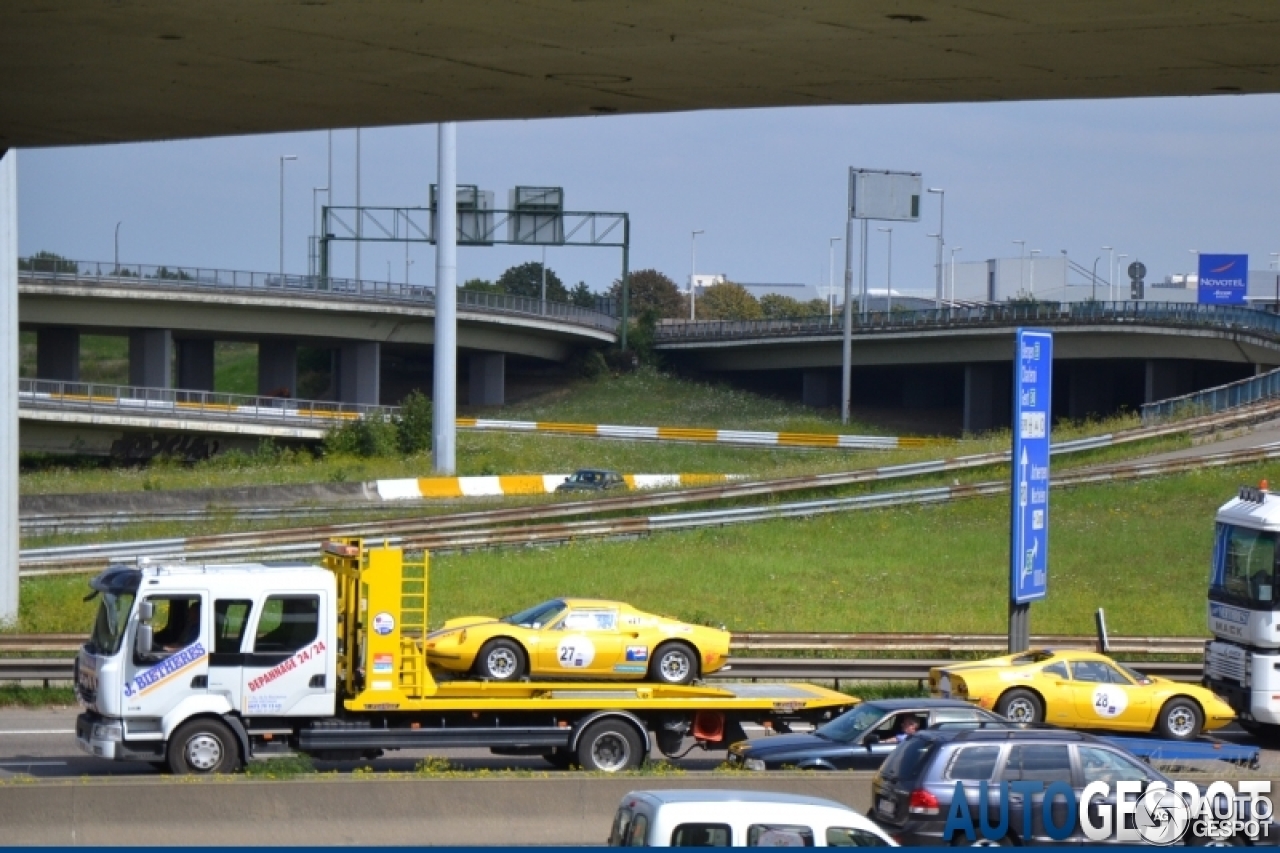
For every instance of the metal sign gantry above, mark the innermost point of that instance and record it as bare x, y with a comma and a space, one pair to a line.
478, 226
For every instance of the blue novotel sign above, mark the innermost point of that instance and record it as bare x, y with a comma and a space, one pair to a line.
1224, 279
1032, 404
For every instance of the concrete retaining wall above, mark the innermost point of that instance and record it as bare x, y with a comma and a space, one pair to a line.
561, 809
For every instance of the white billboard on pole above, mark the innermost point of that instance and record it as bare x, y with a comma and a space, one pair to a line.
890, 196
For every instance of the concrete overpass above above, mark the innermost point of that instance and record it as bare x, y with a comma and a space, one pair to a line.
74, 73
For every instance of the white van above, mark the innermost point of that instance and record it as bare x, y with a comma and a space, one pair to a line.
713, 818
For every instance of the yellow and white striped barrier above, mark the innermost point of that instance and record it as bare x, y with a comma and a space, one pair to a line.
418, 488
710, 436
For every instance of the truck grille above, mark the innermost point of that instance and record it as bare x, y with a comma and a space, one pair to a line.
1226, 662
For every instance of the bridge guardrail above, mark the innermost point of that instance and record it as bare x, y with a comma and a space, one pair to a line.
1045, 313
162, 276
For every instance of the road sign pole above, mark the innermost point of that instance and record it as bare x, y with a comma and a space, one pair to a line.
1029, 491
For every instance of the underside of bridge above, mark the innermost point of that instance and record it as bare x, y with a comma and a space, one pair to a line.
83, 72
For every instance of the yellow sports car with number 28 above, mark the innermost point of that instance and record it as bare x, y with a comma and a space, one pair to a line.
578, 638
1082, 690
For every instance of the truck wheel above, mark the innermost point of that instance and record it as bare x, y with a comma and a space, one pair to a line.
1180, 719
674, 663
203, 747
1021, 706
610, 746
501, 660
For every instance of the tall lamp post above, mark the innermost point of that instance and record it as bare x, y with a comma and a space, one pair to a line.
117, 269
1022, 271
282, 159
954, 249
831, 276
693, 270
888, 279
1111, 274
1094, 277
942, 239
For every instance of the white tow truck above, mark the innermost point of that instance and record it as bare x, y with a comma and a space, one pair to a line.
198, 668
1242, 662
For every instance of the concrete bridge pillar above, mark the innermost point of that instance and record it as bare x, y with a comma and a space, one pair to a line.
816, 389
195, 364
278, 368
488, 378
58, 354
150, 358
359, 372
1166, 378
980, 398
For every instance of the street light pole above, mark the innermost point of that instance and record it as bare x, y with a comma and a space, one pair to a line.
1022, 245
543, 291
888, 287
1094, 276
942, 239
282, 159
1111, 274
955, 249
693, 270
831, 276
117, 269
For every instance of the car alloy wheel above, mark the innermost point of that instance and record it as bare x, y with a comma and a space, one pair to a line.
501, 662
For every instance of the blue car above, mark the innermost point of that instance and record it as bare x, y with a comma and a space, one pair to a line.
858, 739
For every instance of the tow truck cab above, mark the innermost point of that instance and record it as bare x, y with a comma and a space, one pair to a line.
173, 643
1242, 662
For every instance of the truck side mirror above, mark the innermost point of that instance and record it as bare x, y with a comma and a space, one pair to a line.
146, 611
142, 640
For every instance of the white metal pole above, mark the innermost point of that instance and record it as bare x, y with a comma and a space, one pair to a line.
544, 281
445, 392
1022, 272
693, 271
831, 276
117, 268
862, 273
1111, 274
942, 239
955, 249
9, 388
359, 230
846, 337
888, 276
1032, 288
282, 159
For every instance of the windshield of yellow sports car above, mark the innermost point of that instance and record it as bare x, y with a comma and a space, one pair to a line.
1244, 563
538, 616
851, 725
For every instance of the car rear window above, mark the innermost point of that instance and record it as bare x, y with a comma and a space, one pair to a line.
906, 761
974, 763
1039, 762
702, 835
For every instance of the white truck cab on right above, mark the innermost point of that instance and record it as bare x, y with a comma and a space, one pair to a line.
1242, 662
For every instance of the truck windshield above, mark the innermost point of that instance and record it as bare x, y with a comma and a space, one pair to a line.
1244, 567
109, 624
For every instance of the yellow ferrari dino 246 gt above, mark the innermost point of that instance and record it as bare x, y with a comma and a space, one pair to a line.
1082, 690
578, 638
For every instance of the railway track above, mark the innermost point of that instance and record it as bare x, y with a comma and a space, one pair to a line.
466, 531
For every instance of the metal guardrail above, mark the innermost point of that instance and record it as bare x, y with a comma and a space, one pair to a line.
1177, 314
62, 670
946, 644
308, 286
204, 405
1240, 393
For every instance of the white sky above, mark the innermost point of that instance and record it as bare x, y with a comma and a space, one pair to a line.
1153, 178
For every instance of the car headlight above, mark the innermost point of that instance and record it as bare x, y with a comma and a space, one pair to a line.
753, 764
107, 731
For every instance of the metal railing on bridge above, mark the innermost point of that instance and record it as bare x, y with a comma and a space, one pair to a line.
1180, 315
198, 278
1211, 400
207, 405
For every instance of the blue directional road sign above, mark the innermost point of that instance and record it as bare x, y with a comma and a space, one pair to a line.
1029, 529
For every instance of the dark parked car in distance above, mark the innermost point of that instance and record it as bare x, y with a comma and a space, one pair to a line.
592, 480
860, 738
